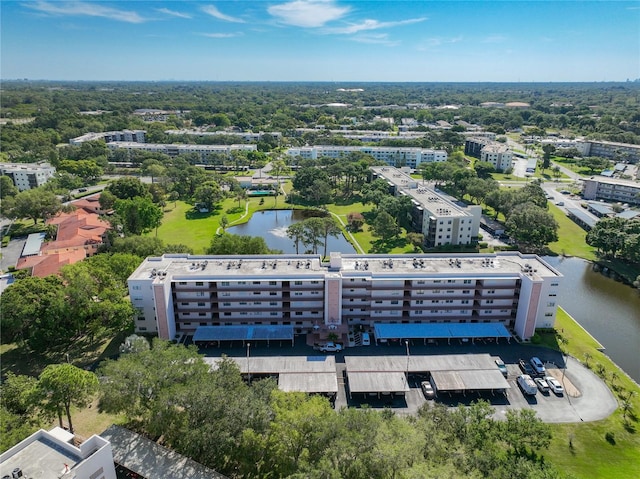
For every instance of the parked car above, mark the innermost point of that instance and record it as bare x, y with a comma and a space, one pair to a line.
329, 347
526, 368
537, 365
527, 385
82, 190
543, 386
427, 390
560, 203
502, 367
554, 385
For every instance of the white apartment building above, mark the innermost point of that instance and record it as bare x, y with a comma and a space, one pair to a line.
136, 136
442, 219
28, 175
177, 294
174, 150
498, 155
611, 189
244, 135
393, 156
53, 455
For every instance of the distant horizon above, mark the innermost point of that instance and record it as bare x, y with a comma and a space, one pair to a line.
483, 41
354, 82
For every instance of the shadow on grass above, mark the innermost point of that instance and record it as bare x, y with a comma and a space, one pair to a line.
384, 246
83, 352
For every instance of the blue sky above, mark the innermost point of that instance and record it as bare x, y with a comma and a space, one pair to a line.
321, 40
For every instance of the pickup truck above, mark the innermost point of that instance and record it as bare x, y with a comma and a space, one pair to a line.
329, 347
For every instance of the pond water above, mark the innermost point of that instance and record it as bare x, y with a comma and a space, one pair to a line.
272, 226
609, 310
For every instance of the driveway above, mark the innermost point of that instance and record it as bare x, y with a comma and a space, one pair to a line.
11, 253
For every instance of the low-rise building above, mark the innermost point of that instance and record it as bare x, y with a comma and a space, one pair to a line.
612, 189
54, 455
177, 294
26, 176
393, 156
136, 136
205, 151
442, 219
498, 154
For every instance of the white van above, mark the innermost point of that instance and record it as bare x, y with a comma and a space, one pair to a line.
366, 339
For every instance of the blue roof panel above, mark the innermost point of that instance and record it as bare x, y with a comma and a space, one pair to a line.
441, 330
240, 333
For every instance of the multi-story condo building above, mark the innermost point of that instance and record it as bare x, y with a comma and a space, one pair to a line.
244, 135
136, 136
174, 150
28, 175
393, 156
612, 150
490, 151
177, 294
442, 219
611, 189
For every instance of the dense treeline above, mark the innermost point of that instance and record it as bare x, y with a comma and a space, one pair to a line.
603, 111
256, 431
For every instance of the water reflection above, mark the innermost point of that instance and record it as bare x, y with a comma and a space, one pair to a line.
609, 310
272, 226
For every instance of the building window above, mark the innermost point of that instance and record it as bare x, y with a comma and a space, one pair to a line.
551, 304
136, 287
273, 293
256, 282
224, 283
199, 283
298, 283
272, 283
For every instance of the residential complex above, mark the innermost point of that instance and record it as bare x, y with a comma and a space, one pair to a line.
244, 135
136, 136
177, 294
498, 154
442, 219
393, 156
205, 151
612, 189
28, 175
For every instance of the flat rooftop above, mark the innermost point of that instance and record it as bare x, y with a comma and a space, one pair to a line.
42, 459
309, 267
420, 364
478, 380
434, 201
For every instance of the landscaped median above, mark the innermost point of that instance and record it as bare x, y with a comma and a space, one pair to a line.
602, 449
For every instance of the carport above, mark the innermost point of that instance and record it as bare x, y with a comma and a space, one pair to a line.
377, 383
309, 374
217, 334
464, 381
448, 331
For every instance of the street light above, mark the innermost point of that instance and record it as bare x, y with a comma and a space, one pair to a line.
248, 373
406, 343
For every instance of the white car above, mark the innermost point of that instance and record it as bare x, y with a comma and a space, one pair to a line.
427, 390
543, 386
555, 385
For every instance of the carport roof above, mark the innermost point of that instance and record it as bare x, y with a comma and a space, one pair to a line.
309, 383
420, 363
282, 364
441, 331
371, 382
243, 333
479, 380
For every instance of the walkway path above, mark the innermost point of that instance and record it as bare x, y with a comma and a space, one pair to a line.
354, 241
246, 212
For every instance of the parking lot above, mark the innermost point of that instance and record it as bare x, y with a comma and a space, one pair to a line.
587, 398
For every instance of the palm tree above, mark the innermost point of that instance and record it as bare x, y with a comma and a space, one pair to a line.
240, 196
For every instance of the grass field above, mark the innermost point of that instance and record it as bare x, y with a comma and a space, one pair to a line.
607, 449
572, 238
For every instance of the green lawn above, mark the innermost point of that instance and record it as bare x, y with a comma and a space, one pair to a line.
606, 449
572, 238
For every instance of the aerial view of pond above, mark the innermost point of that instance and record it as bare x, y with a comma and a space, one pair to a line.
609, 310
272, 226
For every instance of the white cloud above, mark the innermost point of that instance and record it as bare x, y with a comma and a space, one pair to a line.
434, 42
309, 14
373, 25
495, 39
85, 9
173, 13
221, 35
375, 38
214, 12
